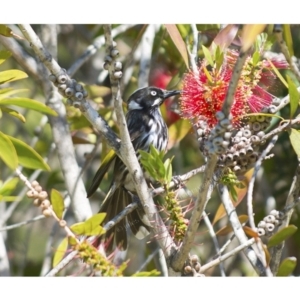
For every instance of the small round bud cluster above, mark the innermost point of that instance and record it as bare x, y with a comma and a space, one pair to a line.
267, 226
238, 149
110, 61
68, 87
192, 267
40, 198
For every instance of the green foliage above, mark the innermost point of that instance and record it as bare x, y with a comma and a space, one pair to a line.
60, 252
27, 156
8, 152
287, 267
294, 96
282, 235
91, 226
153, 273
295, 140
57, 202
153, 163
232, 182
7, 188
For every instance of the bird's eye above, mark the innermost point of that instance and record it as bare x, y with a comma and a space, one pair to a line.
153, 93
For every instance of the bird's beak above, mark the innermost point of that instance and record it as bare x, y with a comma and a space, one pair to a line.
168, 94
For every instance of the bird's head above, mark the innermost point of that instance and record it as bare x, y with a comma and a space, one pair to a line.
148, 98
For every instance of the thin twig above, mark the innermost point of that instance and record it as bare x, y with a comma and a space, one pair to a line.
253, 258
20, 224
92, 49
215, 241
252, 180
222, 258
293, 197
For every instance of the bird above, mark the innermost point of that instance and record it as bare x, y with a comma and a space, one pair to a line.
146, 127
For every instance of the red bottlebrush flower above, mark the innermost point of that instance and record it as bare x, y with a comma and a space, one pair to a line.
204, 93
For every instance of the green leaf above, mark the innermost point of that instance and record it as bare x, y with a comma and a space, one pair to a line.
178, 41
294, 96
9, 186
281, 235
168, 170
8, 198
27, 156
11, 75
255, 58
29, 103
60, 252
78, 228
288, 38
4, 55
91, 226
287, 266
57, 202
275, 70
5, 31
8, 152
5, 93
295, 140
208, 55
178, 130
13, 113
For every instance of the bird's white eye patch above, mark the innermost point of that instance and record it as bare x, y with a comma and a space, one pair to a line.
153, 93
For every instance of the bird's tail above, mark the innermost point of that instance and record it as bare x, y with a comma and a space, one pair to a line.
115, 202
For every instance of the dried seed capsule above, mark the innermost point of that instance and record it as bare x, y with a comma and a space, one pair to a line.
272, 109
254, 139
227, 135
114, 52
118, 74
194, 259
217, 141
241, 145
220, 115
244, 162
274, 213
79, 95
260, 134
47, 213
69, 92
197, 267
62, 78
85, 93
78, 87
270, 227
239, 134
118, 65
52, 77
188, 269
269, 219
62, 223
256, 126
225, 144
260, 118
253, 157
62, 86
37, 202
262, 224
236, 168
108, 58
242, 152
225, 123
43, 195
45, 204
261, 231
247, 133
249, 150
236, 140
235, 155
106, 66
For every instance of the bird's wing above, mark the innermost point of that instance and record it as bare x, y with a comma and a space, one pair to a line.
109, 158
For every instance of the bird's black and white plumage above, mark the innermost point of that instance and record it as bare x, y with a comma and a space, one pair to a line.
146, 127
